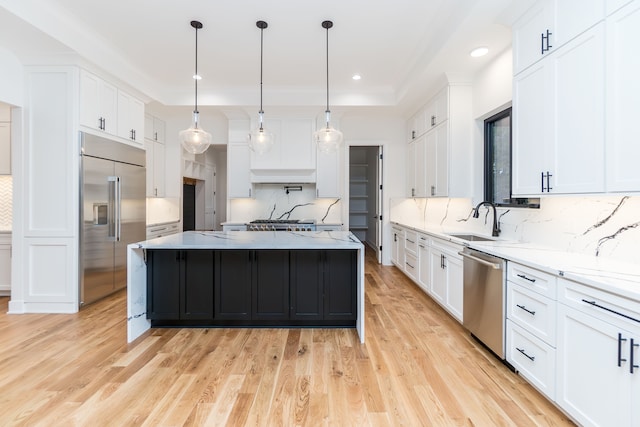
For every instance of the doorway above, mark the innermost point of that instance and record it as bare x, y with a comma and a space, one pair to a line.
188, 204
365, 195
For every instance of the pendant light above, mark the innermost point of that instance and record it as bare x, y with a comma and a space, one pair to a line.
328, 138
260, 140
195, 140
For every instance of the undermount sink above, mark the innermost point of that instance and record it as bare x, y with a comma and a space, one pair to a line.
472, 237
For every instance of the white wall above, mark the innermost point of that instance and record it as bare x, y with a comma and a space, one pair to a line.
492, 90
11, 78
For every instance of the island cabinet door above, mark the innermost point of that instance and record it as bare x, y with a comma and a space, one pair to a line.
196, 292
270, 285
340, 281
306, 285
232, 285
163, 284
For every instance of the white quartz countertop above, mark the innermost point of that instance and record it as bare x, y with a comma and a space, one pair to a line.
255, 240
618, 277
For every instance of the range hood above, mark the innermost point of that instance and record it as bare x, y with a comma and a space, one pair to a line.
283, 176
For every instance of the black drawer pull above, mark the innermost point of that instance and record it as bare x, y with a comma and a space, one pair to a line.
409, 240
522, 307
620, 359
411, 266
593, 303
521, 350
522, 276
631, 356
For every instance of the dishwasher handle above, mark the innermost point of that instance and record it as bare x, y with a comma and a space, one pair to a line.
493, 265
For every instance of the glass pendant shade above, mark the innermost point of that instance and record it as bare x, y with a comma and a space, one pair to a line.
328, 139
260, 140
195, 140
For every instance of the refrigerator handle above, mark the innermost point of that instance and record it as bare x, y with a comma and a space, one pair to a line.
113, 214
118, 208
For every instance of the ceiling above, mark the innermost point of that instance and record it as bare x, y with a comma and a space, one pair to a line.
401, 48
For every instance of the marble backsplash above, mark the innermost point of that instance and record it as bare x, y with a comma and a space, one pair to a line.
6, 202
271, 201
605, 226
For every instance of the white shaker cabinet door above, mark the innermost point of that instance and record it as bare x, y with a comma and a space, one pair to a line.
591, 386
578, 101
238, 163
623, 93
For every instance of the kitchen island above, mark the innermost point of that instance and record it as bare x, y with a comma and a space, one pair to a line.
246, 279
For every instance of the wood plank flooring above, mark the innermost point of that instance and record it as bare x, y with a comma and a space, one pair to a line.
419, 367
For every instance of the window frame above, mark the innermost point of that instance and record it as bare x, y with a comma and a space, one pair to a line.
514, 202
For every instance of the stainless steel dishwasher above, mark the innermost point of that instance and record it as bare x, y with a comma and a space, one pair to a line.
484, 298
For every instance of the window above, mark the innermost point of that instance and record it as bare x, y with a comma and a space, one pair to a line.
497, 163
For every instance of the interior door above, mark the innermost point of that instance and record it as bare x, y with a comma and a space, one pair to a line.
96, 252
378, 205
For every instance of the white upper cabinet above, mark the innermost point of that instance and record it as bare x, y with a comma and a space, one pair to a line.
130, 118
328, 174
558, 120
98, 104
623, 93
238, 163
5, 139
439, 160
548, 25
154, 128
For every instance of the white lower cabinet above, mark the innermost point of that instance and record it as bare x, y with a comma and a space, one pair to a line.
532, 358
598, 356
433, 264
531, 326
446, 276
424, 263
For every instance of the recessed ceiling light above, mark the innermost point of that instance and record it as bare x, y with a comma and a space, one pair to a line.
479, 51
356, 77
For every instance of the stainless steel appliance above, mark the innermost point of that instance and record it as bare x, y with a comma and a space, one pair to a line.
282, 225
484, 298
112, 213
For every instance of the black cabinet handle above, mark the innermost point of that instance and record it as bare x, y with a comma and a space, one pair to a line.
410, 241
521, 350
155, 136
409, 264
549, 188
413, 134
631, 348
522, 307
395, 237
522, 276
620, 359
433, 120
544, 42
593, 303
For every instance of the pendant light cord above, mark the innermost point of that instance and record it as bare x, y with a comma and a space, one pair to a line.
195, 77
328, 112
261, 112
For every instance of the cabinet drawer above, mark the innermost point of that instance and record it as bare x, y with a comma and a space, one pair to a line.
534, 359
423, 241
604, 305
411, 241
411, 266
536, 280
446, 246
532, 311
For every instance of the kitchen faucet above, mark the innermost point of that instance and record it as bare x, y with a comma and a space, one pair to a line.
496, 225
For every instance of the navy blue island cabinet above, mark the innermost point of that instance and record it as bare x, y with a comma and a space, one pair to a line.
252, 288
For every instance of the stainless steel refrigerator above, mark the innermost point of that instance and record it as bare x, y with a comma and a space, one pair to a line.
112, 213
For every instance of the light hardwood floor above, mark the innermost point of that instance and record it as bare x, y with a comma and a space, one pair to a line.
418, 367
